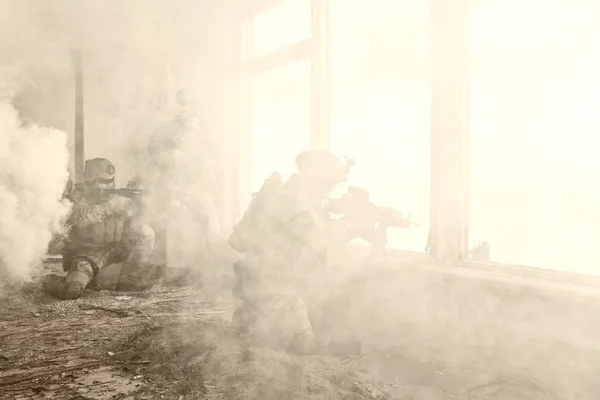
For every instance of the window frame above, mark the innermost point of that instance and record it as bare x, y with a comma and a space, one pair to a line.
449, 192
315, 48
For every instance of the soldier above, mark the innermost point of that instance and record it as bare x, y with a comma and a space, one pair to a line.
167, 141
166, 176
183, 182
102, 232
285, 236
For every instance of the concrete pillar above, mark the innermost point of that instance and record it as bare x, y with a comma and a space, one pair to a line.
451, 37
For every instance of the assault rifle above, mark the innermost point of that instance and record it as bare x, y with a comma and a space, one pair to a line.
355, 206
124, 192
135, 193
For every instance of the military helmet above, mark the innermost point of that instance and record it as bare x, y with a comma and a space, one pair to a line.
99, 169
323, 165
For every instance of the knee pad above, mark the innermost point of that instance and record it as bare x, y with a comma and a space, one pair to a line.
84, 267
79, 276
143, 232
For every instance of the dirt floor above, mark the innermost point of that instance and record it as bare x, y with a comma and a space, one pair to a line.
167, 343
176, 343
76, 349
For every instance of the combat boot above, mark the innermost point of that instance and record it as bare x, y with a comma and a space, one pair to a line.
53, 284
79, 276
57, 286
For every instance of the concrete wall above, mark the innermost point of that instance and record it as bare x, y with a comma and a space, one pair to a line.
479, 325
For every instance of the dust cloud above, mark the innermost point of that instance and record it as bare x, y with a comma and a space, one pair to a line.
406, 309
34, 160
33, 174
135, 58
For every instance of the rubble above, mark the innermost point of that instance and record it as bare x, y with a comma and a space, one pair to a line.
208, 360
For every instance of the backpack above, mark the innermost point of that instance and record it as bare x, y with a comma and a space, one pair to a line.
244, 232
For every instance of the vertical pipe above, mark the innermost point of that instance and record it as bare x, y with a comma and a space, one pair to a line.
162, 228
79, 120
320, 82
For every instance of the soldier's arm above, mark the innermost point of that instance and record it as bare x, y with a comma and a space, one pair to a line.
317, 237
83, 214
340, 231
299, 222
306, 227
305, 234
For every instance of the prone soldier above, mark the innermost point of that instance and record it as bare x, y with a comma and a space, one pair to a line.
102, 231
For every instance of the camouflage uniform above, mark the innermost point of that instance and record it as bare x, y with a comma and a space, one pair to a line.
102, 233
288, 249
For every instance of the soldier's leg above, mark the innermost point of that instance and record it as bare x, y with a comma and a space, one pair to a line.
81, 272
238, 280
282, 323
244, 317
137, 245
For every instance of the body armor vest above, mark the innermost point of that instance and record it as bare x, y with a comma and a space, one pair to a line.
108, 232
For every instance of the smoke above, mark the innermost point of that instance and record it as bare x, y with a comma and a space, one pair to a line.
33, 174
182, 186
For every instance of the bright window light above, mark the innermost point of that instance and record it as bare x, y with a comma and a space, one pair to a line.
381, 104
281, 120
535, 131
285, 24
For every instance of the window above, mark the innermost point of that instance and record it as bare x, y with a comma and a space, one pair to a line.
380, 76
285, 24
280, 120
534, 133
